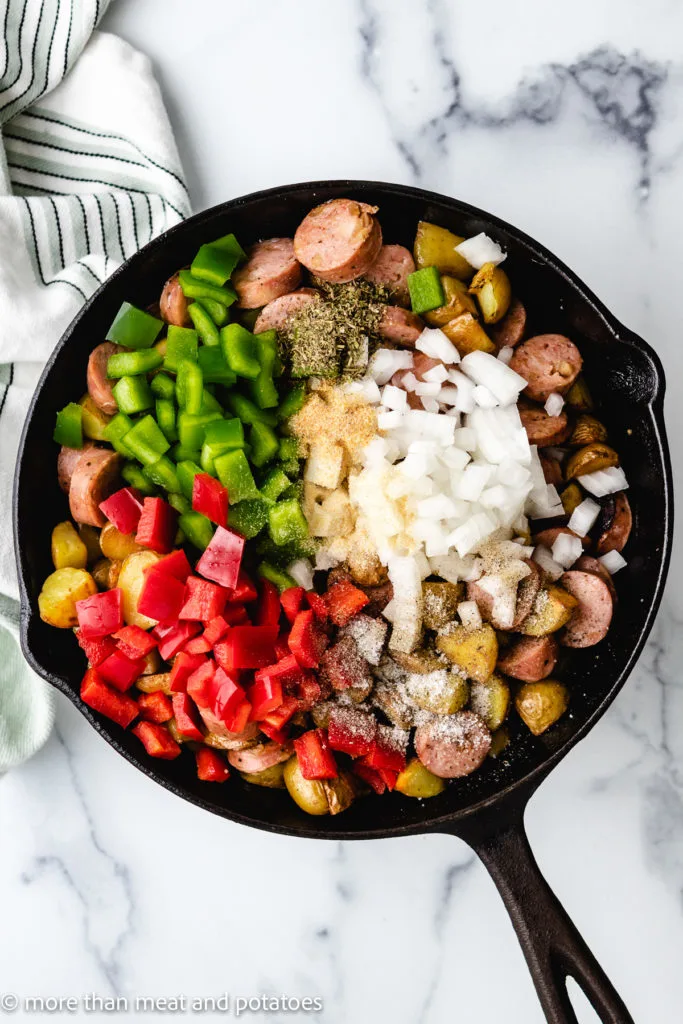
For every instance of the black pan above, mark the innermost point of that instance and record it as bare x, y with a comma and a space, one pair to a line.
486, 809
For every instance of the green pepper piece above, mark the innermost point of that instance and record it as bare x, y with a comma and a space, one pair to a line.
216, 261
134, 328
180, 503
282, 580
291, 467
163, 386
165, 411
292, 402
264, 444
287, 553
214, 367
181, 343
204, 325
239, 349
234, 473
274, 483
189, 387
128, 364
263, 390
133, 395
288, 449
116, 430
197, 528
216, 310
210, 403
287, 523
207, 458
191, 428
195, 288
248, 517
69, 426
163, 474
134, 476
181, 453
146, 441
426, 290
226, 434
187, 471
242, 407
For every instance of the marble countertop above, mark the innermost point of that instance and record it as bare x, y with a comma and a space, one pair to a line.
566, 122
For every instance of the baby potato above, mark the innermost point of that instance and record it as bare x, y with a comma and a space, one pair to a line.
271, 778
91, 538
417, 781
475, 651
442, 699
68, 550
93, 419
493, 291
539, 705
309, 794
468, 335
397, 710
590, 459
500, 740
321, 712
340, 792
435, 247
587, 430
419, 662
115, 544
175, 732
578, 396
552, 609
491, 701
571, 497
155, 682
458, 300
61, 590
131, 579
100, 573
440, 603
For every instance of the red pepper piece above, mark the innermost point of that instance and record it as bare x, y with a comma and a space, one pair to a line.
100, 615
216, 629
123, 509
282, 646
268, 613
222, 558
155, 707
210, 498
246, 647
198, 645
157, 740
96, 648
184, 665
316, 760
236, 615
200, 684
227, 695
318, 606
280, 716
309, 691
161, 596
292, 599
173, 636
286, 670
157, 526
306, 640
120, 671
244, 590
203, 601
351, 730
265, 696
210, 766
388, 777
371, 776
280, 736
344, 601
187, 717
176, 564
134, 642
238, 722
386, 751
100, 697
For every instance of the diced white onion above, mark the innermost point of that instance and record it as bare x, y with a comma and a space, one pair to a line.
465, 438
388, 361
546, 561
429, 404
583, 517
437, 374
566, 549
389, 420
604, 481
613, 561
469, 613
301, 572
409, 381
434, 343
480, 249
484, 398
393, 397
426, 387
485, 369
554, 404
505, 355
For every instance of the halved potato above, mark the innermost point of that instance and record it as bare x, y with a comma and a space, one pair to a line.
491, 285
590, 459
91, 538
271, 778
468, 335
155, 682
100, 573
417, 781
552, 609
587, 430
475, 651
435, 247
309, 794
93, 419
340, 792
458, 300
131, 580
115, 544
500, 740
68, 550
441, 699
419, 662
440, 603
61, 590
578, 396
491, 701
571, 497
539, 705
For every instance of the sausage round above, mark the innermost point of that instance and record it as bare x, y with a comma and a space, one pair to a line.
549, 363
339, 240
452, 746
616, 523
219, 735
66, 463
95, 476
173, 304
527, 592
509, 331
270, 271
552, 471
592, 616
275, 315
391, 269
541, 429
548, 537
99, 385
400, 326
530, 659
258, 758
589, 564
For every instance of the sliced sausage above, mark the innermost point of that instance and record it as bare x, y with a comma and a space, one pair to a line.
275, 315
95, 476
66, 463
549, 363
219, 735
99, 385
452, 746
391, 269
530, 659
592, 616
527, 592
380, 596
615, 524
339, 240
589, 564
509, 331
270, 271
552, 471
548, 537
541, 429
258, 758
173, 304
400, 326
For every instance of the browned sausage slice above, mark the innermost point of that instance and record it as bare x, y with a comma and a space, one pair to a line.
99, 385
339, 240
548, 537
530, 659
552, 471
173, 304
400, 326
616, 523
549, 363
219, 735
589, 564
452, 746
258, 758
275, 315
391, 269
270, 271
592, 616
95, 476
542, 429
66, 463
509, 331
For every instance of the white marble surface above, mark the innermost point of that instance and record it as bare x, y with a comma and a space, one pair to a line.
566, 122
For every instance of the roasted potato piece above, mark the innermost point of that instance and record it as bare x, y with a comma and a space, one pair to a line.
420, 661
100, 573
590, 459
458, 300
115, 567
500, 740
571, 497
152, 663
552, 609
340, 792
587, 430
468, 335
491, 701
115, 544
61, 590
131, 579
444, 698
307, 793
417, 781
491, 286
271, 778
175, 732
366, 568
435, 247
68, 550
578, 396
153, 683
321, 713
475, 651
91, 538
440, 603
387, 698
93, 419
539, 705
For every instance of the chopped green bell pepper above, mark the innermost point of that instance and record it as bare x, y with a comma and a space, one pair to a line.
210, 403
163, 474
187, 471
292, 402
235, 475
239, 349
216, 261
263, 390
281, 579
116, 430
181, 453
128, 364
264, 444
204, 325
189, 387
426, 290
288, 449
245, 409
191, 428
69, 426
134, 328
275, 482
194, 288
180, 503
134, 476
216, 310
181, 343
133, 395
165, 410
197, 528
249, 517
214, 367
163, 386
287, 523
146, 441
226, 434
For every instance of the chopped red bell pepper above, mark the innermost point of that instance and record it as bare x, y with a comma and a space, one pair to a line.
286, 670
157, 526
292, 599
279, 736
351, 730
203, 600
282, 646
120, 671
388, 750
157, 740
96, 648
100, 615
184, 665
371, 776
246, 647
308, 691
187, 717
238, 722
227, 695
388, 777
134, 641
200, 684
176, 564
100, 697
198, 645
307, 640
316, 760
161, 596
269, 608
265, 696
155, 707
273, 725
236, 614
173, 636
222, 558
123, 509
318, 606
244, 591
216, 629
210, 497
344, 601
211, 767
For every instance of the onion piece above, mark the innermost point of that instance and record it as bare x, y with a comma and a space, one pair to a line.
480, 249
434, 343
485, 369
566, 549
394, 398
469, 613
545, 560
388, 361
505, 355
604, 481
613, 561
301, 572
554, 404
583, 517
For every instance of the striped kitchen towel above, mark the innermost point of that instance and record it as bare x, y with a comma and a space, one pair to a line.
89, 172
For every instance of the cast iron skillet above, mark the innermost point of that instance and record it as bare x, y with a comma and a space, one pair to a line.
486, 809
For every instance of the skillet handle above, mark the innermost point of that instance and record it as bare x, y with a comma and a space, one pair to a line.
551, 943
